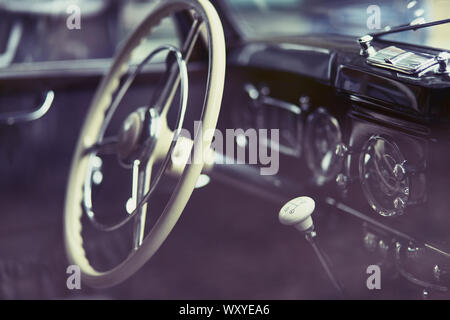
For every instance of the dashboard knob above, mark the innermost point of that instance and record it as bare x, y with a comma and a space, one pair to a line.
297, 212
442, 60
366, 48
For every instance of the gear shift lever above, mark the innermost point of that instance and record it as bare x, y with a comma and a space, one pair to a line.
297, 213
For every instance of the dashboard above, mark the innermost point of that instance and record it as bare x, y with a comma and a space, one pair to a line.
367, 141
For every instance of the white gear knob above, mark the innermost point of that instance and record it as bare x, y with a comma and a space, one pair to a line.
297, 212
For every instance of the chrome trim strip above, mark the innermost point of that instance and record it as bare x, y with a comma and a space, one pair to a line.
11, 47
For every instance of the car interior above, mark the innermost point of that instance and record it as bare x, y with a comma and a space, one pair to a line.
224, 149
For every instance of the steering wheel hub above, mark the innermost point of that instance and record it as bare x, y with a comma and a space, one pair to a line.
130, 135
134, 141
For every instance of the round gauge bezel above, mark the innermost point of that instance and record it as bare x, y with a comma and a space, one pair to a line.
320, 176
366, 188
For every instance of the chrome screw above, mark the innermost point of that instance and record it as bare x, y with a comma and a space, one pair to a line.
341, 150
342, 180
399, 171
399, 203
305, 103
383, 247
437, 272
412, 250
370, 242
405, 191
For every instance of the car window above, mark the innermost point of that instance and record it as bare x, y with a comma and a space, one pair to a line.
165, 33
267, 18
43, 30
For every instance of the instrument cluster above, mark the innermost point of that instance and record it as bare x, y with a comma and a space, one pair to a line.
385, 165
379, 166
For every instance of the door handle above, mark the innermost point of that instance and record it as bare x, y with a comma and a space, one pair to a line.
12, 118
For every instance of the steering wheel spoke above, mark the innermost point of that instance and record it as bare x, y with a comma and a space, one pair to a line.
171, 78
140, 186
178, 148
192, 37
106, 146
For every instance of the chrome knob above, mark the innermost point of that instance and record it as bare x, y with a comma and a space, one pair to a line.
366, 47
442, 59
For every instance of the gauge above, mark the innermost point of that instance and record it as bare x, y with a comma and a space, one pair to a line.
385, 189
323, 134
264, 112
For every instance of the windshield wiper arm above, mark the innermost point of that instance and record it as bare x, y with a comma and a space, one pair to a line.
409, 27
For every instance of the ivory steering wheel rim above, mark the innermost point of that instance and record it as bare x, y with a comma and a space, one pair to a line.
73, 204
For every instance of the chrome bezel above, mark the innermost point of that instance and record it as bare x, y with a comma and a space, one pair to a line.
403, 191
321, 176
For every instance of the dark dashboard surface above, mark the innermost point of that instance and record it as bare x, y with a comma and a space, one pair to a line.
408, 114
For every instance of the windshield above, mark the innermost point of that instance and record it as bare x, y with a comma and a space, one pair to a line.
268, 18
41, 31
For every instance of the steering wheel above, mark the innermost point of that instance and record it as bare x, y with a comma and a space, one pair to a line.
145, 138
